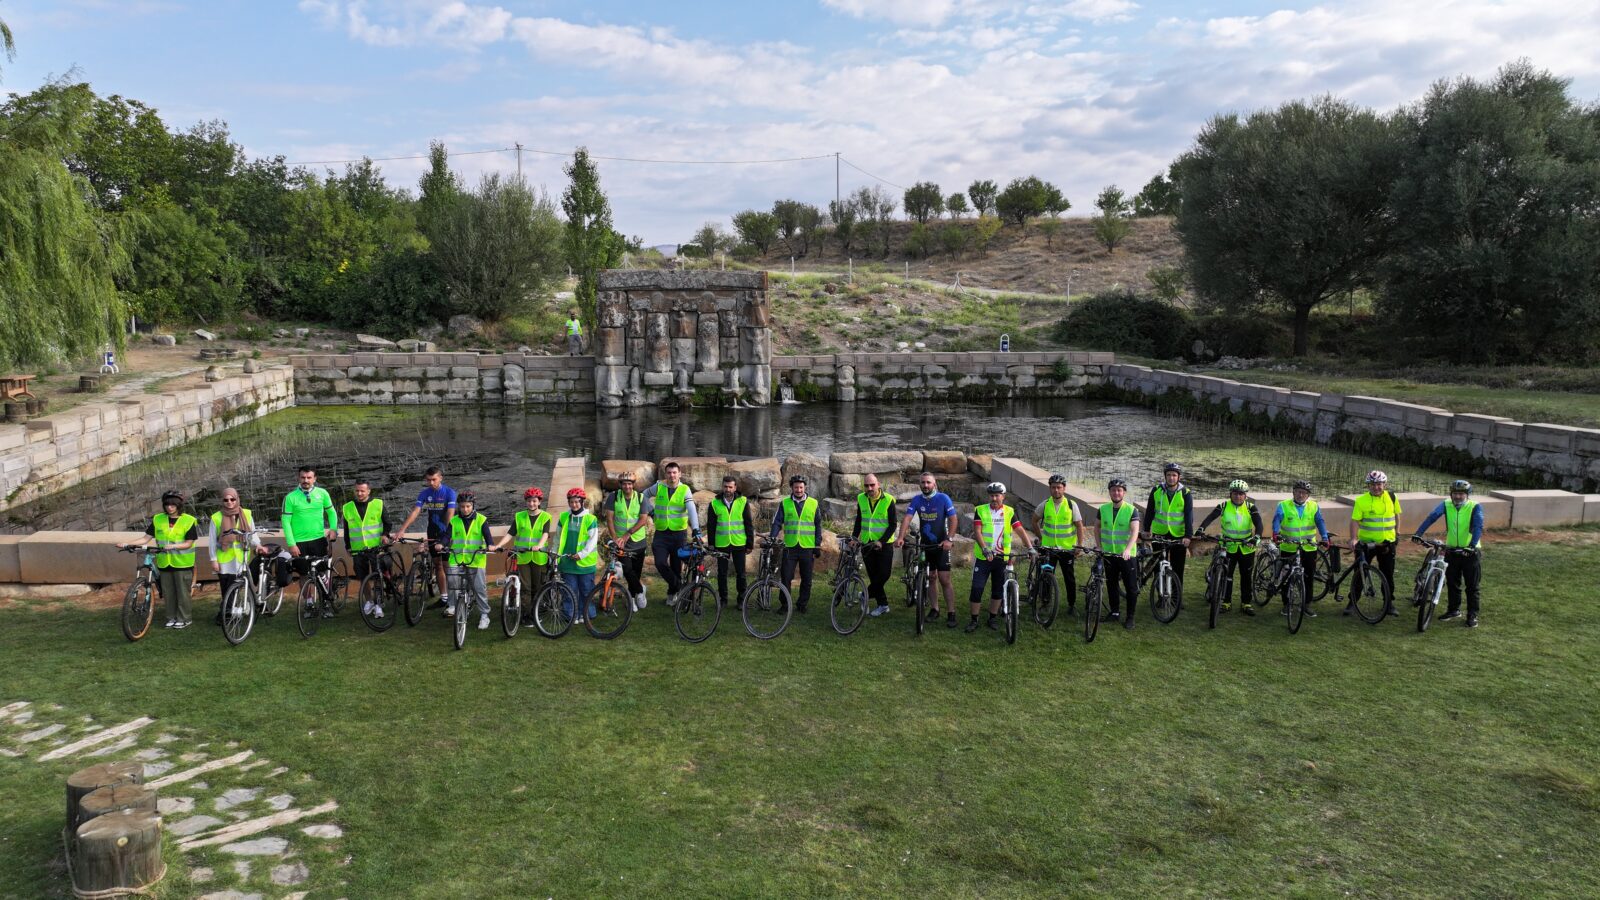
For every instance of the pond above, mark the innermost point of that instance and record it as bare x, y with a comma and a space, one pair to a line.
500, 452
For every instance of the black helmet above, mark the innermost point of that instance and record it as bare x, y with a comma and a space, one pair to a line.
172, 497
1117, 482
1172, 467
1303, 485
1058, 478
797, 479
467, 497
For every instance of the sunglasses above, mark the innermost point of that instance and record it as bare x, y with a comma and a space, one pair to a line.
230, 499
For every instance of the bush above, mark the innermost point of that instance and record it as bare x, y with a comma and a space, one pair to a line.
1125, 322
1249, 336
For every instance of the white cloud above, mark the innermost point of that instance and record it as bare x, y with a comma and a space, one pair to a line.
1099, 11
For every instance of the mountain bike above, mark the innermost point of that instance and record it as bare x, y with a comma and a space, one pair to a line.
1166, 601
243, 601
1011, 596
1093, 592
1428, 585
1219, 577
848, 608
138, 604
697, 609
1289, 577
422, 585
510, 596
553, 604
1041, 592
610, 606
918, 580
322, 593
382, 591
765, 606
1372, 601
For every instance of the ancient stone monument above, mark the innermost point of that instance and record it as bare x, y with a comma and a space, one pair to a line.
670, 337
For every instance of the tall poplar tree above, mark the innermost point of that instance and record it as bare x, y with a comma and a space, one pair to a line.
592, 244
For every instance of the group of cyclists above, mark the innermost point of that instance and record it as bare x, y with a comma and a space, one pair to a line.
664, 519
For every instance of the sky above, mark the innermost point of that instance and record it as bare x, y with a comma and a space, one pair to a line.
1082, 93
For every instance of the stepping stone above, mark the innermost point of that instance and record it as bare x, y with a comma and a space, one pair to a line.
239, 815
169, 805
7, 751
229, 895
201, 875
150, 753
118, 747
282, 801
267, 846
297, 895
291, 874
151, 770
241, 867
165, 738
191, 757
22, 718
192, 825
323, 831
278, 771
41, 734
236, 796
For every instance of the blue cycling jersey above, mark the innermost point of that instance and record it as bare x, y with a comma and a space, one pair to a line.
932, 512
437, 503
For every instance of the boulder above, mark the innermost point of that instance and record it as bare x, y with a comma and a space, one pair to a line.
163, 340
840, 512
978, 465
845, 487
757, 476
827, 561
280, 332
464, 325
962, 549
643, 472
813, 467
703, 500
372, 340
944, 462
302, 333
251, 367
701, 472
213, 373
430, 332
415, 345
862, 462
204, 335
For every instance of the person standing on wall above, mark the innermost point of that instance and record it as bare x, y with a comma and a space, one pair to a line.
574, 333
174, 532
875, 521
797, 521
1060, 528
935, 514
230, 553
439, 501
729, 527
366, 525
1375, 519
1169, 514
671, 509
627, 525
1119, 523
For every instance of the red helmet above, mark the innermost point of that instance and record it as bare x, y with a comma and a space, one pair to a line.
577, 492
532, 492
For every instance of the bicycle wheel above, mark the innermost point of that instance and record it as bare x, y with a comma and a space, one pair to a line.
272, 600
1091, 610
849, 605
1264, 563
1327, 573
138, 609
511, 606
1295, 600
550, 607
339, 584
1369, 600
916, 599
767, 609
1045, 600
458, 630
308, 612
1430, 599
1010, 598
1214, 592
1164, 599
238, 613
372, 597
1416, 585
421, 587
610, 609
698, 612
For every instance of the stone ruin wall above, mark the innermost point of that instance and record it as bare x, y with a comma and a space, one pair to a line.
665, 337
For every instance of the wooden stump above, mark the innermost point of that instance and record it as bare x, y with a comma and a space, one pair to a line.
118, 798
118, 850
88, 384
84, 782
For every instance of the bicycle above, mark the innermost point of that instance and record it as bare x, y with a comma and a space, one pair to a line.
1093, 591
422, 584
848, 607
1011, 596
326, 580
1429, 582
918, 580
381, 592
553, 602
243, 601
1166, 601
697, 609
1219, 578
510, 596
1042, 595
1373, 602
765, 606
138, 608
610, 606
1290, 579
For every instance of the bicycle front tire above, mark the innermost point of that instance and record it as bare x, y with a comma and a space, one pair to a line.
511, 606
1010, 595
1045, 601
1164, 599
1216, 584
550, 607
849, 604
767, 609
238, 613
698, 612
1295, 603
421, 586
458, 630
138, 608
918, 600
373, 600
610, 610
1091, 610
1430, 599
308, 612
1370, 599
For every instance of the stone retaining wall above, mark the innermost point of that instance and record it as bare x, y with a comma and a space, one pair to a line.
426, 378
47, 454
933, 375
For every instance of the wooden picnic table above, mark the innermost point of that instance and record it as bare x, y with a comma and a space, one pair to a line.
15, 386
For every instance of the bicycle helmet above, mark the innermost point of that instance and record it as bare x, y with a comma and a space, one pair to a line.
1172, 467
1240, 485
1461, 484
1377, 476
172, 497
1117, 482
1058, 478
580, 493
532, 492
1303, 485
997, 487
797, 479
467, 497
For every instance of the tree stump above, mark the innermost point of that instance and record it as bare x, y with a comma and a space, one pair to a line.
84, 782
119, 850
118, 798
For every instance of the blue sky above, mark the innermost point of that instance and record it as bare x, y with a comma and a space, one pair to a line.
1083, 93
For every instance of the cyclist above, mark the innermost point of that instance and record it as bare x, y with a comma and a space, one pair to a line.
366, 525
1119, 522
1375, 519
797, 520
230, 553
1060, 527
935, 513
309, 523
1463, 530
672, 510
1297, 527
992, 528
875, 521
574, 333
439, 499
529, 534
470, 537
1240, 522
627, 525
729, 527
174, 532
1170, 514
578, 548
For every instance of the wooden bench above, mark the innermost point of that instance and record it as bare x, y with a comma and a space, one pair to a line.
16, 386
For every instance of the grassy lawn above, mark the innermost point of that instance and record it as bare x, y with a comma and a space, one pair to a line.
1346, 760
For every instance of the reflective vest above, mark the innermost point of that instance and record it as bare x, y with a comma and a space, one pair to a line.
1237, 527
574, 327
1298, 527
570, 537
167, 536
1166, 513
468, 545
230, 548
1116, 529
623, 515
1458, 524
529, 529
994, 530
364, 531
672, 513
730, 525
874, 517
799, 525
1377, 517
1056, 528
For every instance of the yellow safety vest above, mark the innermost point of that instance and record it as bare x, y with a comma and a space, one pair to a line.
1298, 527
1166, 513
994, 529
800, 525
574, 327
730, 525
169, 534
1458, 524
364, 531
624, 516
528, 532
672, 513
569, 539
1238, 527
231, 548
468, 544
1377, 516
1116, 529
1056, 528
874, 517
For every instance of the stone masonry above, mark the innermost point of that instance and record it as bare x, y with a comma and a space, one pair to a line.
935, 375
432, 378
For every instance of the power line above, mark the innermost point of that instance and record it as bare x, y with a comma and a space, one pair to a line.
333, 162
872, 176
674, 162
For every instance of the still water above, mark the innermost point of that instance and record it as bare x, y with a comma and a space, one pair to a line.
499, 453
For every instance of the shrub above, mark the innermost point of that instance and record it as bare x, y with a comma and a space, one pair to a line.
1125, 322
1249, 336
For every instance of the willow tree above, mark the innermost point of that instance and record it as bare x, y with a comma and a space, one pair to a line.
58, 252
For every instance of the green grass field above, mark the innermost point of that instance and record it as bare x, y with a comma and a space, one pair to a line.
1348, 760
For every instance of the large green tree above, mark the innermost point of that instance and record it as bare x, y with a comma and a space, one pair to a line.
923, 201
497, 248
591, 242
1025, 198
1287, 207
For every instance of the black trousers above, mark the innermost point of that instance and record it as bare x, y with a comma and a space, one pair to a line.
1241, 566
804, 559
1122, 575
1062, 560
991, 570
665, 547
1459, 567
737, 564
1175, 557
309, 550
364, 564
878, 564
633, 569
1383, 556
1308, 561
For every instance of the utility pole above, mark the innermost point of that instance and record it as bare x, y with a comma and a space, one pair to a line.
519, 160
836, 179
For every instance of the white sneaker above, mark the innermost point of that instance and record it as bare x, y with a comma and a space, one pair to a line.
170, 623
366, 608
640, 601
483, 622
879, 610
377, 611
